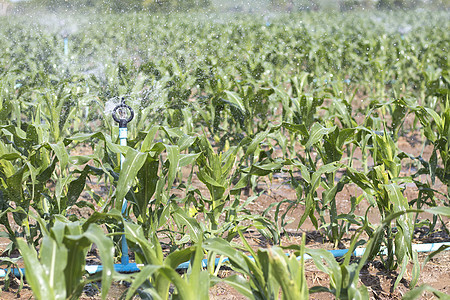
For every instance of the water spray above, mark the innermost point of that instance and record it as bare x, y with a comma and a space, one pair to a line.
123, 114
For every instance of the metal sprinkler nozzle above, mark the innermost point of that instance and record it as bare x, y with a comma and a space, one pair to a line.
120, 116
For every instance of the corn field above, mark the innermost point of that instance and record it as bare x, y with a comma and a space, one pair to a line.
226, 107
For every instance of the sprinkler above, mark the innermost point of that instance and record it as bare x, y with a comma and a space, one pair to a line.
123, 114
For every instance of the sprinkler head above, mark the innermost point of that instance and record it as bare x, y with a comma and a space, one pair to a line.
123, 114
64, 34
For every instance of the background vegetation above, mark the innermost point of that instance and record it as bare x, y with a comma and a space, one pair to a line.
230, 5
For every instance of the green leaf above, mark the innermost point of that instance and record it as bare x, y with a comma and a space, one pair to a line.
144, 274
10, 156
149, 250
256, 141
81, 159
106, 250
36, 275
148, 178
53, 260
182, 218
183, 289
134, 161
238, 283
61, 153
297, 128
76, 187
319, 256
188, 159
81, 137
185, 142
173, 155
433, 166
263, 169
148, 140
178, 257
198, 280
316, 134
284, 270
439, 210
235, 100
418, 291
222, 247
437, 119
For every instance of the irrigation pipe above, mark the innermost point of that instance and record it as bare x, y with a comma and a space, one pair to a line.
123, 114
66, 46
337, 253
132, 267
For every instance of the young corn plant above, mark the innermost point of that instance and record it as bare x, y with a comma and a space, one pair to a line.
252, 105
224, 181
440, 138
387, 195
159, 272
267, 273
344, 276
146, 179
57, 272
436, 126
23, 165
374, 246
328, 144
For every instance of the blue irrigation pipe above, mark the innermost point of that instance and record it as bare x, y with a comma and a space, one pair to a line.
123, 114
337, 253
66, 46
132, 267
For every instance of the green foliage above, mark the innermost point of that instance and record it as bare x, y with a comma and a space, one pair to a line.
174, 5
222, 108
58, 271
344, 277
392, 4
155, 278
269, 271
117, 6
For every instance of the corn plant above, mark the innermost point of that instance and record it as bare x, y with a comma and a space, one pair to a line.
159, 272
344, 277
328, 142
441, 143
57, 272
218, 172
388, 197
144, 177
267, 271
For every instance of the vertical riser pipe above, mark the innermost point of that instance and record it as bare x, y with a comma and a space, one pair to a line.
123, 135
66, 46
